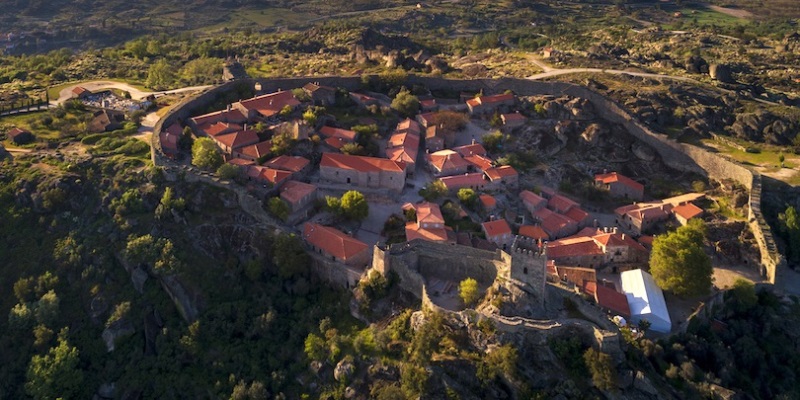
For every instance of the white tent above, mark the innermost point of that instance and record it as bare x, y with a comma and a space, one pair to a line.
646, 300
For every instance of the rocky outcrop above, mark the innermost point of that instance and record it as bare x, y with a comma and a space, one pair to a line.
184, 301
115, 331
721, 72
344, 370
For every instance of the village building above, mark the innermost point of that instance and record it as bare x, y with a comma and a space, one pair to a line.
408, 125
300, 197
337, 137
404, 147
218, 128
20, 136
320, 95
266, 106
80, 93
475, 181
230, 142
612, 301
489, 104
479, 163
336, 245
433, 140
646, 300
106, 121
568, 275
230, 116
684, 212
488, 202
369, 172
296, 129
534, 232
254, 152
446, 163
268, 176
429, 224
426, 119
596, 248
513, 120
170, 138
428, 105
555, 224
498, 232
363, 100
471, 149
532, 201
240, 162
503, 176
619, 185
643, 217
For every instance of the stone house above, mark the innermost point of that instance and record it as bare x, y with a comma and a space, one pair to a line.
475, 181
532, 201
106, 120
169, 139
498, 232
336, 245
299, 196
266, 106
429, 224
272, 177
368, 172
446, 163
619, 185
404, 147
490, 104
513, 120
254, 152
230, 142
80, 93
363, 100
503, 176
320, 95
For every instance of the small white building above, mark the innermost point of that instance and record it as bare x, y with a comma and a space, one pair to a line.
646, 300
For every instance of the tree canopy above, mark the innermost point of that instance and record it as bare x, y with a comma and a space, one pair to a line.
55, 374
790, 228
468, 291
405, 103
205, 154
678, 262
354, 205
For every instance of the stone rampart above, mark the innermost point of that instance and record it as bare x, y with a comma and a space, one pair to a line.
680, 156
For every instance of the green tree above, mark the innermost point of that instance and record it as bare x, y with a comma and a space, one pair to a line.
602, 369
169, 203
354, 205
496, 121
790, 228
679, 263
353, 149
46, 310
55, 374
743, 296
286, 111
120, 311
160, 74
467, 196
433, 190
278, 208
315, 348
205, 154
228, 171
500, 360
67, 251
289, 256
281, 143
406, 103
493, 141
468, 291
310, 116
333, 204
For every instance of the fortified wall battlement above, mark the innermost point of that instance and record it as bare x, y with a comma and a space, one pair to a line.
417, 260
680, 156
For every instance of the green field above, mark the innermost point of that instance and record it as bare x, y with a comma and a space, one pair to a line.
702, 17
273, 17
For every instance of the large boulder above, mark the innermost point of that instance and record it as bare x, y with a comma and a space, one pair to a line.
721, 72
344, 370
115, 331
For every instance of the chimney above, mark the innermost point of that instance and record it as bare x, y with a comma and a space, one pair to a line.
473, 140
623, 236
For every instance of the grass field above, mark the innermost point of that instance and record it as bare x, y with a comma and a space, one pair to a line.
272, 17
28, 122
767, 161
704, 17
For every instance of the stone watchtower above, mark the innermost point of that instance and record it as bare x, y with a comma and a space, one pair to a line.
529, 267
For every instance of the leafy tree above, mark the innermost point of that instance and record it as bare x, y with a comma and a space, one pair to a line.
278, 208
67, 251
46, 310
502, 359
450, 121
353, 149
392, 78
493, 141
790, 227
20, 318
413, 380
286, 111
743, 296
281, 143
160, 74
205, 154
228, 171
678, 262
496, 121
354, 205
367, 131
433, 190
602, 369
141, 250
468, 291
467, 196
406, 103
289, 256
168, 203
310, 116
55, 374
315, 348
333, 204
120, 311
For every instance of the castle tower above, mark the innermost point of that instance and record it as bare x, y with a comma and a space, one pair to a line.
529, 266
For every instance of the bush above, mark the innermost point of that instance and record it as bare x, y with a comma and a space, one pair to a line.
468, 291
205, 154
602, 369
228, 171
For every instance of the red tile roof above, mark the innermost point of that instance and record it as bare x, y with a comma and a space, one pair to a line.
496, 228
590, 288
257, 150
403, 139
273, 176
534, 232
14, 132
336, 142
429, 213
488, 201
407, 155
271, 104
576, 214
363, 98
552, 222
331, 132
414, 231
447, 160
241, 162
293, 191
80, 90
288, 163
471, 149
480, 162
408, 125
561, 203
220, 128
501, 172
361, 164
238, 139
461, 181
429, 118
427, 103
576, 246
613, 177
618, 240
333, 241
497, 98
234, 116
688, 211
612, 300
532, 199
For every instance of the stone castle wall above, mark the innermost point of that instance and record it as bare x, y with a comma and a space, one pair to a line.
680, 156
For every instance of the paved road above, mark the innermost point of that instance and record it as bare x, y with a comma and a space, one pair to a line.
66, 93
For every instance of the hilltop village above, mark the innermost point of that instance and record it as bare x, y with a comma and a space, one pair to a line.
439, 173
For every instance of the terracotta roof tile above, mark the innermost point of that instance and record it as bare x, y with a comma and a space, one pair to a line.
561, 203
480, 162
293, 191
333, 241
513, 117
257, 150
331, 132
688, 211
471, 149
501, 172
612, 300
288, 163
238, 139
613, 177
488, 201
446, 160
271, 104
462, 181
359, 163
532, 199
534, 232
429, 213
413, 231
241, 162
570, 247
577, 214
496, 228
